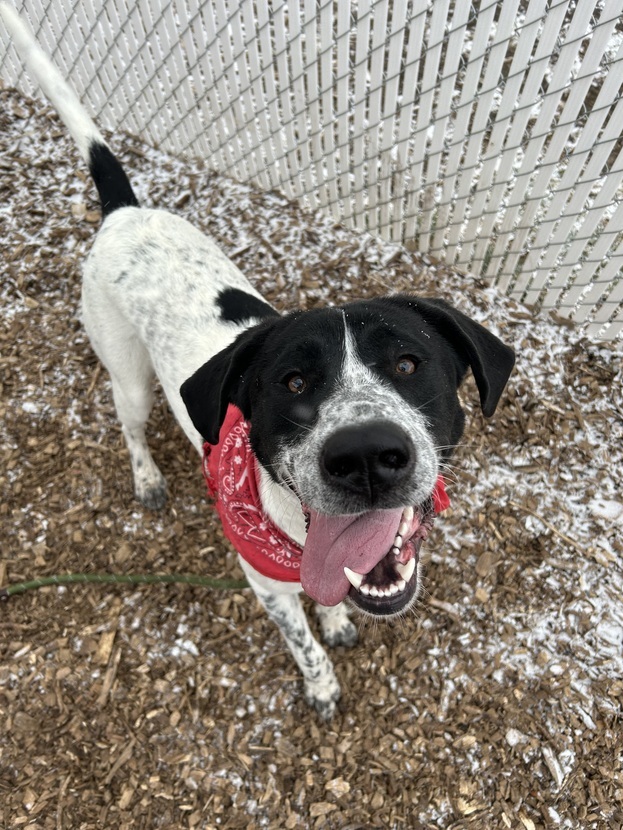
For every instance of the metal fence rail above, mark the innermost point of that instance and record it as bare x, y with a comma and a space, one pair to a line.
487, 134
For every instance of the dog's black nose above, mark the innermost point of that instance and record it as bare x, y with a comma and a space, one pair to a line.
368, 458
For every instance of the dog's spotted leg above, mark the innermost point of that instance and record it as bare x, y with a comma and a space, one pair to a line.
335, 625
133, 406
150, 486
322, 690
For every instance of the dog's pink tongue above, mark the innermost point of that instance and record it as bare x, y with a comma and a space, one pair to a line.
358, 542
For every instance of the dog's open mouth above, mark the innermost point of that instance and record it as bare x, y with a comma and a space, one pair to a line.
371, 558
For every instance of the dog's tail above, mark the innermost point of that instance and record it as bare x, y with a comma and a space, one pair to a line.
112, 184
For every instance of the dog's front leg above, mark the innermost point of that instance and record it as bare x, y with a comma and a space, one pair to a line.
322, 689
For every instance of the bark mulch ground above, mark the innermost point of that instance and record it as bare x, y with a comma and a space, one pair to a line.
497, 704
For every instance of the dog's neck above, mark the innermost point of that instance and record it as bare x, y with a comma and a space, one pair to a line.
282, 506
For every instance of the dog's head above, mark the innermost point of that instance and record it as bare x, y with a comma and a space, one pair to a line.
356, 410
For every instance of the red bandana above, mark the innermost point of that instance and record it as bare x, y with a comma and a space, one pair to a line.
231, 473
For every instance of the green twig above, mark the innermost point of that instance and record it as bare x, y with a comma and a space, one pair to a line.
123, 579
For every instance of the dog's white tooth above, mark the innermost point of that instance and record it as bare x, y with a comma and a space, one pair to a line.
355, 579
398, 542
406, 570
401, 585
407, 514
395, 551
404, 527
393, 589
374, 591
365, 589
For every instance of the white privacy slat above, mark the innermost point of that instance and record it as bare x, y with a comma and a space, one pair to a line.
304, 183
415, 41
377, 57
343, 108
199, 126
565, 253
443, 111
125, 27
458, 126
518, 105
489, 133
278, 93
272, 93
589, 285
360, 82
233, 89
395, 45
263, 87
219, 90
611, 260
582, 169
487, 107
474, 196
312, 81
555, 121
326, 58
608, 320
611, 299
285, 92
198, 46
606, 191
431, 57
174, 79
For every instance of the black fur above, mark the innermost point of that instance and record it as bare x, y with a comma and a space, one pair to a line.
113, 186
241, 307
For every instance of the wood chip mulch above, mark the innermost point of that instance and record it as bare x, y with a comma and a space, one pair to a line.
497, 704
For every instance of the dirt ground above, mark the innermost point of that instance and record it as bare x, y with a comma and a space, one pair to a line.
497, 704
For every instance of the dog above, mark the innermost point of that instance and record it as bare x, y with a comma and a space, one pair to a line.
323, 432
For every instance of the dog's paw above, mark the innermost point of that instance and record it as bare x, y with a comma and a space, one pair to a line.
335, 626
323, 695
346, 635
152, 495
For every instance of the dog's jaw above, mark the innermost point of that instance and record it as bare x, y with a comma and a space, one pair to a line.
389, 587
394, 583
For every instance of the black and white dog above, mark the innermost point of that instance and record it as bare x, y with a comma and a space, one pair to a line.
339, 420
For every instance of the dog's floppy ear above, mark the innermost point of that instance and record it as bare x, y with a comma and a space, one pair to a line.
491, 360
224, 379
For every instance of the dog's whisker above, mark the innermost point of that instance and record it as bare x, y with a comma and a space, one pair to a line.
304, 427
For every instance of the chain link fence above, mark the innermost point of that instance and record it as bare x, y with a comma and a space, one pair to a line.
487, 134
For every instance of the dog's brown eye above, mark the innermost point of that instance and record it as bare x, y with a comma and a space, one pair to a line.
406, 365
296, 384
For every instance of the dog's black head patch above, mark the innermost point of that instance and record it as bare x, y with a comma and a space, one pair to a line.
281, 371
